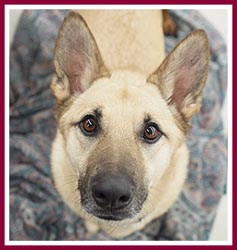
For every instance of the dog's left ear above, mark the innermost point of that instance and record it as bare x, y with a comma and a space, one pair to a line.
77, 60
182, 75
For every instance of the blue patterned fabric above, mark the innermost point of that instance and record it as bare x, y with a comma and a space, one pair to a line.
37, 211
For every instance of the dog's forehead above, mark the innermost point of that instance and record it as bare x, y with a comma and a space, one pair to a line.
122, 88
128, 78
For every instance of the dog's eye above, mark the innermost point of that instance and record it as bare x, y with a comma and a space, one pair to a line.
89, 125
151, 133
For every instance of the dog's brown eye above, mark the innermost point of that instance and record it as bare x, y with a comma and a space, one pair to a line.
151, 133
89, 125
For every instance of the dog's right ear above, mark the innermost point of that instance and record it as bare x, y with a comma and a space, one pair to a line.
77, 60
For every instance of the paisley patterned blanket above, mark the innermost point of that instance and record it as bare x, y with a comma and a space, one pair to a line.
37, 211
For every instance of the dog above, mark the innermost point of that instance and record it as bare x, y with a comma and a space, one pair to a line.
119, 159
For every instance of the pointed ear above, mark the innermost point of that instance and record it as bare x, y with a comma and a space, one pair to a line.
182, 75
77, 60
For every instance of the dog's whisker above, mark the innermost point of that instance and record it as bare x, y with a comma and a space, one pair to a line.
155, 188
68, 182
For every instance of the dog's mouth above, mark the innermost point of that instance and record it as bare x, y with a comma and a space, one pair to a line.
111, 217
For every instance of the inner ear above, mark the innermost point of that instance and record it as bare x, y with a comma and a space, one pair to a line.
188, 80
77, 59
182, 75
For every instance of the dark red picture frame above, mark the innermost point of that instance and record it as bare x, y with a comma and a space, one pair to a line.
3, 132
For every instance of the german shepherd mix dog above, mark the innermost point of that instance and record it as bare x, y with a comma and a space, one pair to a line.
119, 158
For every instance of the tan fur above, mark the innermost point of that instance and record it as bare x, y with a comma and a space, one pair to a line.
131, 44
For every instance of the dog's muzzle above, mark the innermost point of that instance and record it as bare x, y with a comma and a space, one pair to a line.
112, 196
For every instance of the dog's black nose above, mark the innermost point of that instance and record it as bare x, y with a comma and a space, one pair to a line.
112, 191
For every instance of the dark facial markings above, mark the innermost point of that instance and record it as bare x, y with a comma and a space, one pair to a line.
90, 126
114, 186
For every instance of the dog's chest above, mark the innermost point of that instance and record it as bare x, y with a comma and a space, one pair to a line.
128, 39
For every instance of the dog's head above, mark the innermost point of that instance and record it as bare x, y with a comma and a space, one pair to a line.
121, 130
